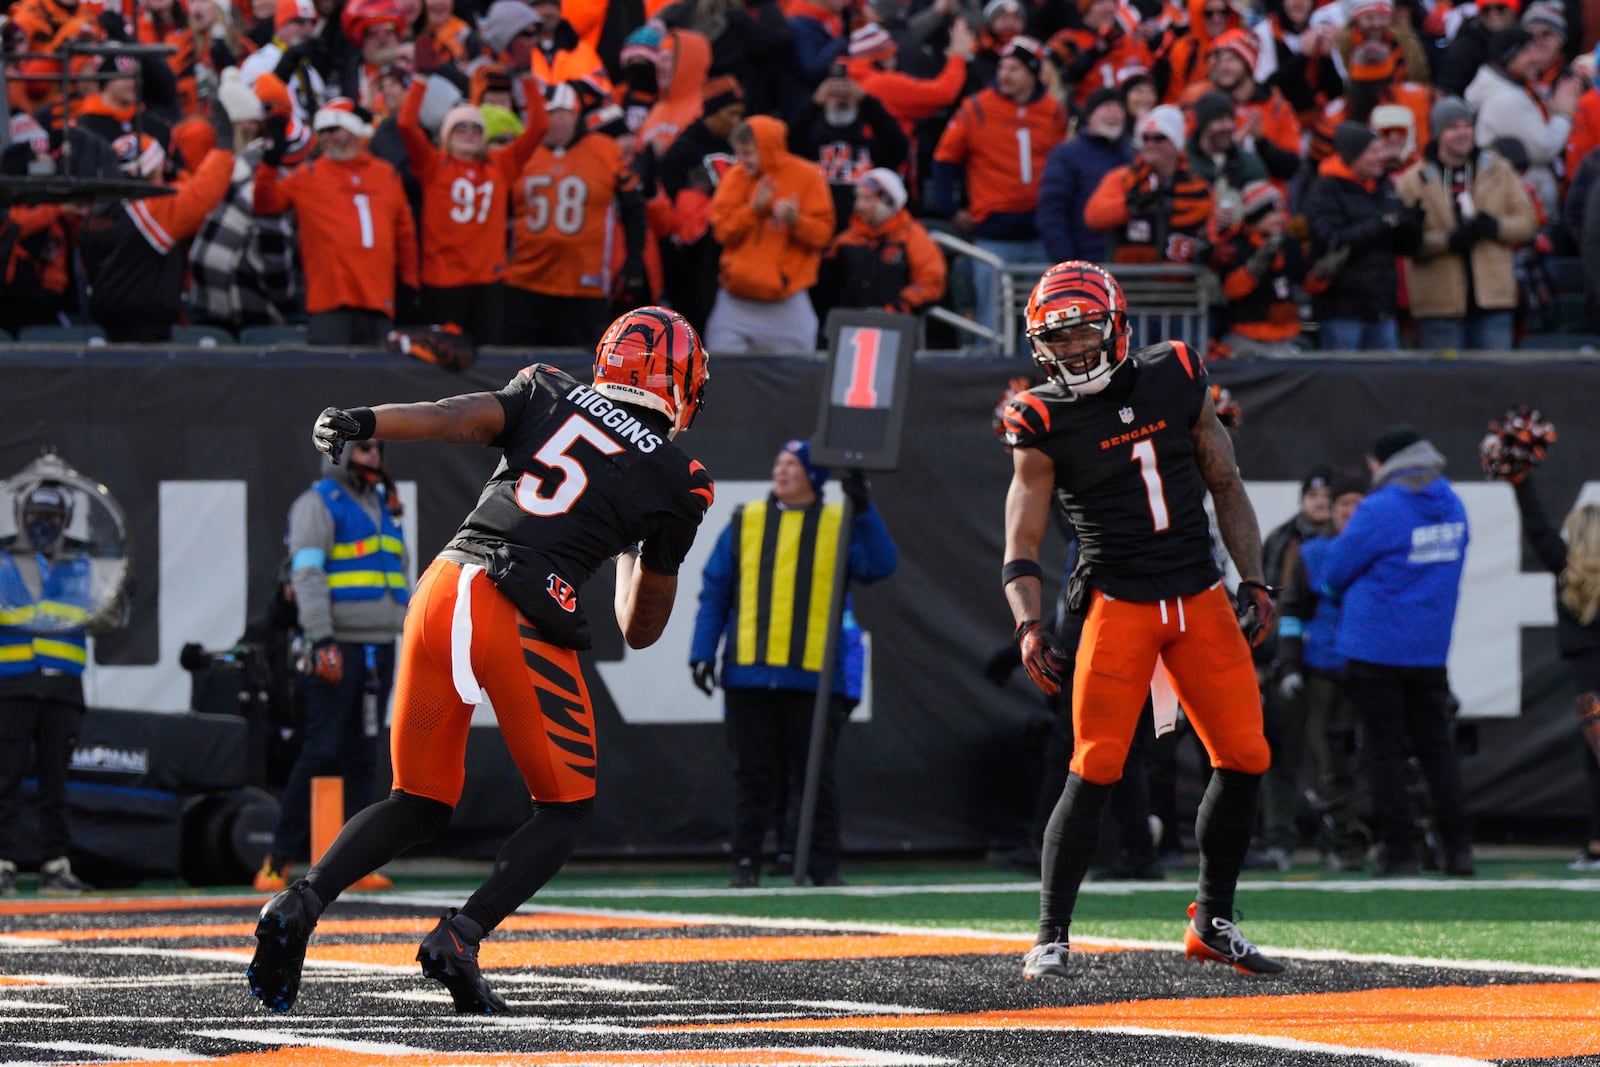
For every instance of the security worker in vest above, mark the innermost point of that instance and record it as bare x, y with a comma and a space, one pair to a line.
44, 590
348, 566
764, 597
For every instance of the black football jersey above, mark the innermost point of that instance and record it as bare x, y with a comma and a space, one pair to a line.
580, 479
1126, 474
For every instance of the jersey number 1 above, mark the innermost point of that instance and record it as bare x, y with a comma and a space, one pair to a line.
554, 454
1145, 453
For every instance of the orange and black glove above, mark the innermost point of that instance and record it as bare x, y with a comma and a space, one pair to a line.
1256, 605
327, 662
1042, 656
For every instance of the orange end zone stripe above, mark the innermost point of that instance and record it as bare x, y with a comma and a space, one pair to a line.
317, 1056
686, 950
97, 905
1489, 1022
408, 925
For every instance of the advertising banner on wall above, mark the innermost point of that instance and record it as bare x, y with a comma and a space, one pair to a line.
206, 451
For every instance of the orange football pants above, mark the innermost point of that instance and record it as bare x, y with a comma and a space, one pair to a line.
1199, 640
463, 638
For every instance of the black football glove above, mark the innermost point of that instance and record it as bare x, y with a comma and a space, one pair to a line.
705, 676
1256, 605
854, 484
334, 427
1042, 656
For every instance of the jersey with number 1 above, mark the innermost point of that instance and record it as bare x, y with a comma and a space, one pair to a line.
1003, 145
1126, 472
580, 478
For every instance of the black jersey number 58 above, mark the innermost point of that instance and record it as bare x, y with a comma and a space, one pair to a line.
533, 493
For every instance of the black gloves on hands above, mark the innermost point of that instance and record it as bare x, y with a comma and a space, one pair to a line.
1256, 605
1480, 227
334, 427
705, 676
854, 484
1259, 265
1042, 655
1143, 201
275, 132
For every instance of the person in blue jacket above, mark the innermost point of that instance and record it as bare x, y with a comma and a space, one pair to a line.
1397, 568
1073, 171
765, 601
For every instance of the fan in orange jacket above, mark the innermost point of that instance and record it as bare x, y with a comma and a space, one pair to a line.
1184, 60
884, 258
681, 98
1153, 209
47, 25
1090, 56
558, 53
465, 189
1371, 84
773, 215
1261, 112
357, 237
574, 192
871, 65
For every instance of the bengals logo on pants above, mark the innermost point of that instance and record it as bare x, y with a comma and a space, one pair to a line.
563, 593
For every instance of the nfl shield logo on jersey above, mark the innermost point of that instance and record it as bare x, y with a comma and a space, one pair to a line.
1126, 415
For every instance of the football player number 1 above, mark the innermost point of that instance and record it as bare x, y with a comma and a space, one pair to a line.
1145, 453
554, 453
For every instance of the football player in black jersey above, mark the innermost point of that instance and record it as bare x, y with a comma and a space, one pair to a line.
588, 472
1128, 446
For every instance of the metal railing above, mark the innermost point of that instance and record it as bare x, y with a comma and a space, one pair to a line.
1165, 300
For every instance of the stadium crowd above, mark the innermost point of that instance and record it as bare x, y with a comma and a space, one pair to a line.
1394, 170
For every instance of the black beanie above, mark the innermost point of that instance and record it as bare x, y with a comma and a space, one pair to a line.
1211, 106
1317, 478
1100, 96
1350, 139
1347, 482
1504, 45
1393, 440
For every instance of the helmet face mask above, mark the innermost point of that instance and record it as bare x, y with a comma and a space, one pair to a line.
652, 357
1078, 325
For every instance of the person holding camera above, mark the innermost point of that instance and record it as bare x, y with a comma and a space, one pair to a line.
1397, 569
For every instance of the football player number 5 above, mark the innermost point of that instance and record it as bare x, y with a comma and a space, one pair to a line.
532, 494
1145, 453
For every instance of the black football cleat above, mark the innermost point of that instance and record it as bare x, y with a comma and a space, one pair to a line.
1224, 943
450, 957
281, 937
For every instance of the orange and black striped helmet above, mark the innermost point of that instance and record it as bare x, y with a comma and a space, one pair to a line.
1071, 295
652, 357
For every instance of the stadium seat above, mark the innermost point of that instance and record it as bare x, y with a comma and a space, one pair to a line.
62, 335
287, 334
1566, 273
202, 336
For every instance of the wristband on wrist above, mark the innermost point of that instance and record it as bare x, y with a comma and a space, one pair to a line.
367, 421
1020, 568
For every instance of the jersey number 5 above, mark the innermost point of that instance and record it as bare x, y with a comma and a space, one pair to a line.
1145, 454
554, 453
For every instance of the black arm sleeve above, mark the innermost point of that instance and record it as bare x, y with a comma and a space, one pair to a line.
889, 142
1546, 541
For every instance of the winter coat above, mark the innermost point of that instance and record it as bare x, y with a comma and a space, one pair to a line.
895, 267
762, 257
1397, 565
1071, 173
1344, 210
1506, 108
1436, 277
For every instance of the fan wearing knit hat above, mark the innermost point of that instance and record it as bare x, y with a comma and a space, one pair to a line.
1268, 124
1260, 264
1107, 41
1502, 94
884, 259
1373, 21
1475, 211
464, 272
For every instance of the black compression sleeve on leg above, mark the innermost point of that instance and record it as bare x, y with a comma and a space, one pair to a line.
1222, 829
1070, 840
529, 858
375, 835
